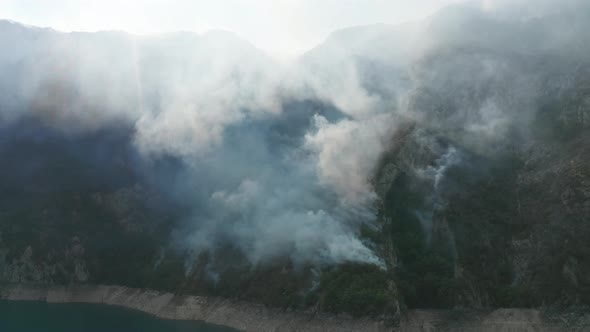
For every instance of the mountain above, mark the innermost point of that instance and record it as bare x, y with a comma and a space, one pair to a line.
484, 187
435, 164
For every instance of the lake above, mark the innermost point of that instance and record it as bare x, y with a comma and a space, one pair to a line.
31, 316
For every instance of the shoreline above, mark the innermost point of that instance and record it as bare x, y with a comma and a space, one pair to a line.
246, 316
242, 316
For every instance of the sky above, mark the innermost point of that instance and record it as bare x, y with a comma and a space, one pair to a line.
283, 28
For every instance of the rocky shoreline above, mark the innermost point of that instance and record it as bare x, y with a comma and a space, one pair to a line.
253, 317
239, 315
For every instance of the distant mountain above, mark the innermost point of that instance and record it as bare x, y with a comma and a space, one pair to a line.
96, 77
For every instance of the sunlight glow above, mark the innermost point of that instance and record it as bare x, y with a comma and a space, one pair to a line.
280, 27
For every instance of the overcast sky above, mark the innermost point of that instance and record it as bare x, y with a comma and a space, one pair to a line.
281, 27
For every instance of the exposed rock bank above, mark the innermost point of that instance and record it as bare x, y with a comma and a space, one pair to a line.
253, 317
242, 316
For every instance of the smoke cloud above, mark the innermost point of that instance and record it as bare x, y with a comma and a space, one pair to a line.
279, 158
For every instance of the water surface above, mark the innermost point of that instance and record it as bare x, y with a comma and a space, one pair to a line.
28, 316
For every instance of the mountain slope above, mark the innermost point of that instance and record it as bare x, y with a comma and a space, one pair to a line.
438, 164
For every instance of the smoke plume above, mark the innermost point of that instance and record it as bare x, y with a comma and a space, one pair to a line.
278, 158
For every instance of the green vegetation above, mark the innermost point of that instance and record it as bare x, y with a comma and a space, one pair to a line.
511, 231
360, 290
425, 270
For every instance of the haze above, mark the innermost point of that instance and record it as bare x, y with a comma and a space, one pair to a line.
283, 28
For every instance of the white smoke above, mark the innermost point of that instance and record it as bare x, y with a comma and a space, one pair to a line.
347, 152
269, 178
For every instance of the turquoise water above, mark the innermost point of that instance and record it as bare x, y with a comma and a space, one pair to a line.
43, 317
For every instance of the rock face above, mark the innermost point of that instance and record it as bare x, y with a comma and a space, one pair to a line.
252, 317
